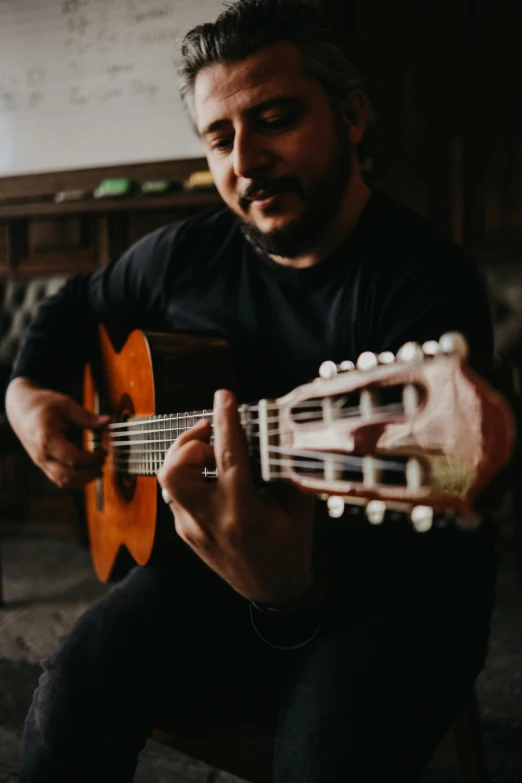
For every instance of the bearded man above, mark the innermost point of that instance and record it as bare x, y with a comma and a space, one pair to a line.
372, 635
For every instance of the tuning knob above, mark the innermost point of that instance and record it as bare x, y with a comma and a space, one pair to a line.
454, 342
410, 353
422, 518
346, 366
386, 357
335, 505
367, 361
431, 348
375, 511
328, 370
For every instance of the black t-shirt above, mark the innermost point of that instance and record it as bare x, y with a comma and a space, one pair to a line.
394, 279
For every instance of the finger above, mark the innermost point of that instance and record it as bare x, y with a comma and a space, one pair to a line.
70, 479
230, 445
200, 431
181, 475
61, 450
186, 463
83, 418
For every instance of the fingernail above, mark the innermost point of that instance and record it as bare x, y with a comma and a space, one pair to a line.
220, 398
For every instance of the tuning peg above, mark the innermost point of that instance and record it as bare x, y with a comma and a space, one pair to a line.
328, 370
454, 342
422, 518
410, 353
335, 505
346, 366
431, 348
375, 511
367, 361
386, 357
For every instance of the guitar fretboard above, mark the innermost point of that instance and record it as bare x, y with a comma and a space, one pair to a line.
138, 445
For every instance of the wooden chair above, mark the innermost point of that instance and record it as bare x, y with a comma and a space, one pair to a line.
243, 746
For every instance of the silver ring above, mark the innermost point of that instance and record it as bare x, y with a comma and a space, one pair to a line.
166, 497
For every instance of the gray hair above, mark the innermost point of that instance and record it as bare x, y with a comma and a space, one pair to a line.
249, 25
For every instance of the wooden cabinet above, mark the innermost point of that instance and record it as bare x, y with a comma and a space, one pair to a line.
40, 245
41, 237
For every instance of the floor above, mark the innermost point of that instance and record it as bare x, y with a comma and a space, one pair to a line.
48, 583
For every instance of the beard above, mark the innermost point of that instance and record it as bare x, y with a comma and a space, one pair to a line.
322, 202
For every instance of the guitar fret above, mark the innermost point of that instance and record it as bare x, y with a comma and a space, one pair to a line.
158, 441
146, 451
141, 455
156, 448
164, 435
147, 454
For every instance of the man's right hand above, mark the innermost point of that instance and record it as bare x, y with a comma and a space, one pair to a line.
42, 420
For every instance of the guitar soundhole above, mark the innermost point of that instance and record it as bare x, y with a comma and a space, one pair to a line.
125, 480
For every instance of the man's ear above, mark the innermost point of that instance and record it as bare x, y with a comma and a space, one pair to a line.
355, 111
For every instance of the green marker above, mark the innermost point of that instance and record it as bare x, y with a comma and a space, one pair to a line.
114, 188
156, 187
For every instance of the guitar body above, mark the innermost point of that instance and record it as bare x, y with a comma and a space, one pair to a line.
145, 375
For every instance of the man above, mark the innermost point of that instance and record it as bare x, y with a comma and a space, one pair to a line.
374, 648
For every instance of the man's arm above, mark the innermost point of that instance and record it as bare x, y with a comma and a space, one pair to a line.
61, 340
128, 292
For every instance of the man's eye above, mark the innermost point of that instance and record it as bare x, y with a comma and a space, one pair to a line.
281, 121
221, 144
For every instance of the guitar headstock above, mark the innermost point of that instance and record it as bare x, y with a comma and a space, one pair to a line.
415, 432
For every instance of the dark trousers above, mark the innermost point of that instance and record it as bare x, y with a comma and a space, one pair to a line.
368, 699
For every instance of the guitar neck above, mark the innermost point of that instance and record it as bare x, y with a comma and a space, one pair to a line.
139, 444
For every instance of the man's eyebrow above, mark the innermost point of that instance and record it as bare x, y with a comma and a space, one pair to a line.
259, 108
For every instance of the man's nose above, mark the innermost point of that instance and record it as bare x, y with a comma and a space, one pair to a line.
250, 155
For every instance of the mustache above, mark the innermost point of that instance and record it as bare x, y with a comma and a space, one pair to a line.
270, 187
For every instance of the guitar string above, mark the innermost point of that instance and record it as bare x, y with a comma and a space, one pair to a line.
337, 459
119, 438
315, 456
294, 464
161, 422
205, 412
309, 405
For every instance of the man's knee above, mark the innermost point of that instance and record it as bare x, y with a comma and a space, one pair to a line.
70, 681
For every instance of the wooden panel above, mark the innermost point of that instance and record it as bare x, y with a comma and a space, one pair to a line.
39, 208
413, 92
444, 81
492, 131
5, 247
57, 235
64, 245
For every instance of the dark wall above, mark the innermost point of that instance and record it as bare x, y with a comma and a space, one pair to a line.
444, 79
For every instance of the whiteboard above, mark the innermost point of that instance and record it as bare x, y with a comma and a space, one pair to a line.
87, 83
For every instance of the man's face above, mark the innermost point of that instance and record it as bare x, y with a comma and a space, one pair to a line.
280, 158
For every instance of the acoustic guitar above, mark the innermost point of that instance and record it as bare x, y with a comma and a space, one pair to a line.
419, 433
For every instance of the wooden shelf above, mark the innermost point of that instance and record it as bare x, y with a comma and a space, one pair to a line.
103, 206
